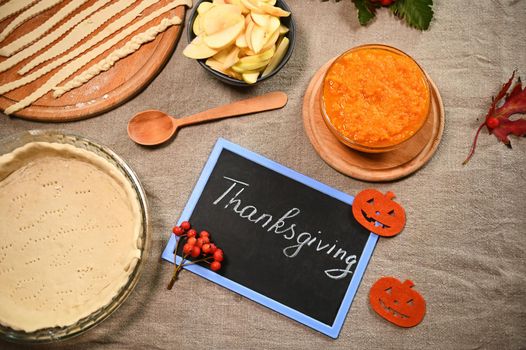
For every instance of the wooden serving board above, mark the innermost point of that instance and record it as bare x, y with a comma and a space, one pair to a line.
374, 167
104, 92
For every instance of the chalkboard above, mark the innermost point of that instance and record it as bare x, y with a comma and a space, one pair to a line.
290, 242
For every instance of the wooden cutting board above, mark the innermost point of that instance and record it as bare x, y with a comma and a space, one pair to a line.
374, 167
104, 92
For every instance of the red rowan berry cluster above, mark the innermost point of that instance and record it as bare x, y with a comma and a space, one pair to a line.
198, 247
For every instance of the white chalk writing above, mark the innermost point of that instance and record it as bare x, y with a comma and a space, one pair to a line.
285, 226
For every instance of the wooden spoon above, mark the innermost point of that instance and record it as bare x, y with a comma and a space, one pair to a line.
152, 127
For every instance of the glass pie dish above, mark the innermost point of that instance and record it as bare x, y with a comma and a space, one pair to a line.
48, 335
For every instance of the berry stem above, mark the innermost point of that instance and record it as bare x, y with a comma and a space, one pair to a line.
175, 254
179, 267
176, 274
176, 267
176, 246
198, 261
181, 264
172, 281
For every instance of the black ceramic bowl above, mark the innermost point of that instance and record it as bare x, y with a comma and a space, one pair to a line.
291, 35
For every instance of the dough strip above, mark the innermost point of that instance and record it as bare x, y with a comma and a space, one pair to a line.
130, 47
82, 30
80, 62
14, 6
52, 36
25, 16
106, 32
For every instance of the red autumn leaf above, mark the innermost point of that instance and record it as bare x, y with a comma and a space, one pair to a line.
498, 121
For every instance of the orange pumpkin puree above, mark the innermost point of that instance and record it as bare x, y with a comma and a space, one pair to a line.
375, 97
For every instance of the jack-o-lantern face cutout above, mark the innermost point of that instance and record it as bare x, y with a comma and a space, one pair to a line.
371, 206
397, 302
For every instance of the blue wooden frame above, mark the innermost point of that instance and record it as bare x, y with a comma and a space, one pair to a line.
330, 330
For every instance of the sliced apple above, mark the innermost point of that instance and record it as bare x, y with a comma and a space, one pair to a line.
228, 57
218, 2
264, 56
273, 10
260, 19
278, 42
233, 74
220, 17
283, 29
204, 7
232, 58
225, 37
218, 66
241, 41
258, 38
248, 34
221, 57
246, 52
250, 78
248, 19
278, 57
243, 67
196, 26
252, 6
238, 3
198, 50
271, 41
215, 65
273, 24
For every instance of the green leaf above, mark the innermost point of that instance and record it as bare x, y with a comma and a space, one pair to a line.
417, 13
365, 13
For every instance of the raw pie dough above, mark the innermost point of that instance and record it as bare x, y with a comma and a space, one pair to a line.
69, 235
100, 36
35, 35
13, 6
107, 62
82, 30
31, 12
81, 61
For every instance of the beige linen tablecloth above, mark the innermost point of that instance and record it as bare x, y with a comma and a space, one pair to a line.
464, 244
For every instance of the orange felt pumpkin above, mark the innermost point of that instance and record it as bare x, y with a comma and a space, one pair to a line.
397, 302
371, 206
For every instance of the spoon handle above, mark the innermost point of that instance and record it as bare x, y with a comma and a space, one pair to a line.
266, 102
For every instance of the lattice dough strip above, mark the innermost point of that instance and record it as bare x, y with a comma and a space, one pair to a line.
82, 30
106, 32
14, 6
31, 12
130, 47
35, 34
77, 64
